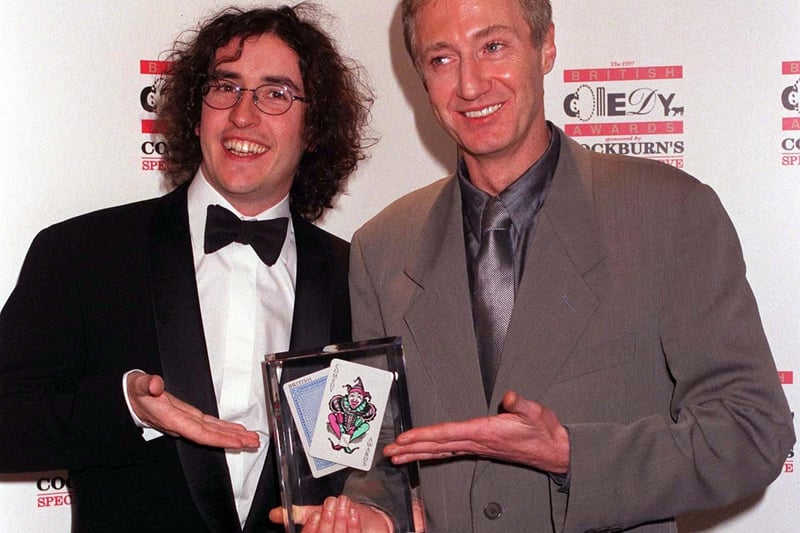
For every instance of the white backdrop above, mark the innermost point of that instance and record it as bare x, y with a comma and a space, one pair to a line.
718, 82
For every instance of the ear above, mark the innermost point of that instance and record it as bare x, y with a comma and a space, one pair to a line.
549, 50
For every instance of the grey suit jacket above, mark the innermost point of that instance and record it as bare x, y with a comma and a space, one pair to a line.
633, 321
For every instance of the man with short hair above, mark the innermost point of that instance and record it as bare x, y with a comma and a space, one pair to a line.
157, 314
583, 351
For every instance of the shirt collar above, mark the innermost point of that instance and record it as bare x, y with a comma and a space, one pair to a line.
526, 191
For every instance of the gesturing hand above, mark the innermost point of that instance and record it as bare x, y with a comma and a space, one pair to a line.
162, 411
526, 433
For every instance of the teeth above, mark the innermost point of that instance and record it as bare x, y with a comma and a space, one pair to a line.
244, 147
483, 112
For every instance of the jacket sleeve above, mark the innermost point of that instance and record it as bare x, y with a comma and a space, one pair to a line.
729, 429
63, 411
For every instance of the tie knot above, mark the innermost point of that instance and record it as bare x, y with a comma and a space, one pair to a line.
495, 216
247, 231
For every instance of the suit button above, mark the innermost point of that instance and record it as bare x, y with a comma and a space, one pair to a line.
493, 511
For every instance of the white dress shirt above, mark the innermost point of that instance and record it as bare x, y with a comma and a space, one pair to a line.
247, 310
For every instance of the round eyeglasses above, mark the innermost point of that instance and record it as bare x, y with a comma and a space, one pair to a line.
270, 98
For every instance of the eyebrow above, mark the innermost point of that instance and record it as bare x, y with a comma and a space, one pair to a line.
277, 80
483, 33
494, 30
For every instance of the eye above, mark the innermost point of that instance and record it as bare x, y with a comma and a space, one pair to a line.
220, 88
439, 61
273, 92
224, 87
494, 47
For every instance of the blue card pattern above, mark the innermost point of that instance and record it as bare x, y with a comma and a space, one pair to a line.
307, 398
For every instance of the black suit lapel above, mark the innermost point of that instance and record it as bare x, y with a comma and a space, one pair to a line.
321, 306
184, 356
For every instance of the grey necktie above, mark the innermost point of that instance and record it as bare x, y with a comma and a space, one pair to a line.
494, 289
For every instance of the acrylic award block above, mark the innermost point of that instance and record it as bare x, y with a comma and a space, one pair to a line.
331, 413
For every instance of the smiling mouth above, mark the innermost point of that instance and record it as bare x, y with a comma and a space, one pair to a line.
485, 112
244, 148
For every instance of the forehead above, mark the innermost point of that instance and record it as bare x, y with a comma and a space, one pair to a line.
265, 56
444, 22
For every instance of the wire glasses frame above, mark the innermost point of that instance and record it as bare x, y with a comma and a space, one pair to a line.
270, 98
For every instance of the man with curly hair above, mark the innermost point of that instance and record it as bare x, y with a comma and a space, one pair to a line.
130, 349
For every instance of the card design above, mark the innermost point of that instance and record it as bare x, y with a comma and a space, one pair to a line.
350, 414
304, 396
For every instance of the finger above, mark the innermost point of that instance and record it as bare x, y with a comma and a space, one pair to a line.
419, 515
436, 433
300, 513
342, 520
353, 521
461, 447
327, 519
239, 438
419, 457
155, 386
210, 436
443, 433
188, 422
312, 524
277, 515
515, 404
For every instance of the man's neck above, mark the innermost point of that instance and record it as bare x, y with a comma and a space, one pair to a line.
493, 173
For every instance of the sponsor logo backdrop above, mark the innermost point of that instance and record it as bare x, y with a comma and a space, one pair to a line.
714, 91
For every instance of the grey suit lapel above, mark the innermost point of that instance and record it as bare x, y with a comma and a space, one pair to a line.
439, 316
184, 357
554, 302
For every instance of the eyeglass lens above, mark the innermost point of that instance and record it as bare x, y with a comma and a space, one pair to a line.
270, 98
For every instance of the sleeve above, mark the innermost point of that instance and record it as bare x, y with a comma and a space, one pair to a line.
62, 412
729, 429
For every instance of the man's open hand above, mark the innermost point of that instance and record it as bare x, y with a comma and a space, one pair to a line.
525, 433
162, 411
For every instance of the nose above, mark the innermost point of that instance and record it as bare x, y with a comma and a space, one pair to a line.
245, 113
472, 80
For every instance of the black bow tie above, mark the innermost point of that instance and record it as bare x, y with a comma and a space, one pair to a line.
265, 236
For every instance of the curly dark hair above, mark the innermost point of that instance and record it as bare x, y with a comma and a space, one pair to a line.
335, 119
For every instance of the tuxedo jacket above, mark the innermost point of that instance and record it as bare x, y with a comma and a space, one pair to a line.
115, 290
633, 322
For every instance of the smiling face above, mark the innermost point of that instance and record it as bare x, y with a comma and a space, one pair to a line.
485, 79
250, 157
354, 398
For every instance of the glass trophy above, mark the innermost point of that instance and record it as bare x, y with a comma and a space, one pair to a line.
331, 412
